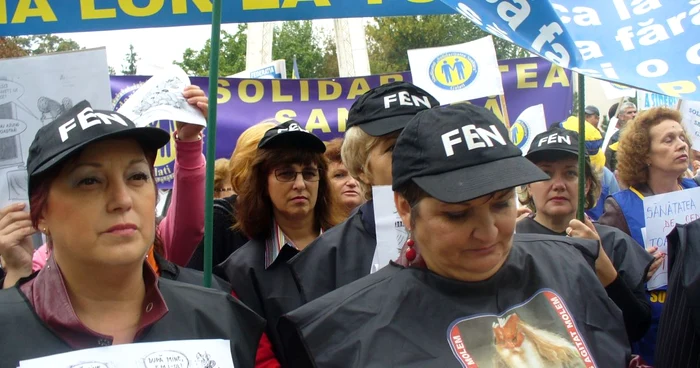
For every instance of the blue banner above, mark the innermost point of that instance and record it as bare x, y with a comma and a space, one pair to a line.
648, 44
25, 17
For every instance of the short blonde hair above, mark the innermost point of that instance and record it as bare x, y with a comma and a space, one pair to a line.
222, 177
355, 154
246, 151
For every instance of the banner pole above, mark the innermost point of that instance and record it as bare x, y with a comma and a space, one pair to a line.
211, 141
581, 148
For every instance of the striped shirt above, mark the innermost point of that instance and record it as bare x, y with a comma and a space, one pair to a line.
275, 242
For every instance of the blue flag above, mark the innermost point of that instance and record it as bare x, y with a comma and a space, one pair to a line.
647, 44
295, 69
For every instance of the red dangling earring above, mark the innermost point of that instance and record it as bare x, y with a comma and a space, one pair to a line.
410, 252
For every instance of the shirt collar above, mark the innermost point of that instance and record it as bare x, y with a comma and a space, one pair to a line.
48, 295
275, 242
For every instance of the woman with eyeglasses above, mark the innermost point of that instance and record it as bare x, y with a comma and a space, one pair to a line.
285, 204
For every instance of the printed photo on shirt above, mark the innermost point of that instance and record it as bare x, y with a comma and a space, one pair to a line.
538, 333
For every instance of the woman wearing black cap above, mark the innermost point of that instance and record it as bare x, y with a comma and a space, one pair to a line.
480, 297
345, 253
92, 193
621, 268
285, 204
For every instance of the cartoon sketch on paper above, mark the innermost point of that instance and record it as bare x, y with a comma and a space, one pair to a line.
167, 93
51, 109
17, 185
205, 361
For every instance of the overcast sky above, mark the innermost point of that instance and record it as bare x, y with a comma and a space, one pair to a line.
157, 47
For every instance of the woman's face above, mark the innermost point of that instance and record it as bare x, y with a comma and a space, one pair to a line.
100, 208
344, 186
669, 149
378, 170
467, 241
293, 190
557, 196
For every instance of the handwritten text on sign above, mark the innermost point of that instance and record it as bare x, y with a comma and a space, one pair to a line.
662, 213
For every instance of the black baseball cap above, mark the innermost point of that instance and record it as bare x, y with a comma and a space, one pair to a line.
388, 108
81, 126
291, 135
553, 141
592, 110
460, 152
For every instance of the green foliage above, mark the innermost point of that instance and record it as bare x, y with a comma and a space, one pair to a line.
329, 67
389, 39
231, 55
299, 39
10, 49
45, 44
131, 59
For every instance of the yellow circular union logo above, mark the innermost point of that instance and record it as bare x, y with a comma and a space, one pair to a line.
453, 70
519, 133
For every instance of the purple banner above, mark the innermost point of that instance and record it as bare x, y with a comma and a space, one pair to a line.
321, 105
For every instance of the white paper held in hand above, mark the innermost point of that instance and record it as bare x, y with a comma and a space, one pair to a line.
391, 233
164, 354
662, 213
160, 98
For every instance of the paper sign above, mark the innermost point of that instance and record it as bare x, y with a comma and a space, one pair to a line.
166, 354
457, 73
160, 98
661, 214
391, 234
691, 121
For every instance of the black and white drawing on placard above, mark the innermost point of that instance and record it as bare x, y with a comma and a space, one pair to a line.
36, 90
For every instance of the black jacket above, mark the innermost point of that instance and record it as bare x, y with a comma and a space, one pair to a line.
340, 256
631, 262
678, 337
269, 292
225, 239
193, 313
409, 317
171, 271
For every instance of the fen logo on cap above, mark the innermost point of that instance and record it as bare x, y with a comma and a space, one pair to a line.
554, 138
403, 98
86, 120
474, 138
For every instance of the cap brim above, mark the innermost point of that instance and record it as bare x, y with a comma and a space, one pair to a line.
534, 154
380, 127
296, 139
472, 182
149, 138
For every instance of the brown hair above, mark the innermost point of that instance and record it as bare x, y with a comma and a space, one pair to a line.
245, 152
635, 144
254, 207
41, 186
222, 177
592, 176
333, 151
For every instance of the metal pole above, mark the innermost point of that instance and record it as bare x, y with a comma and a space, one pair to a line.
211, 141
581, 148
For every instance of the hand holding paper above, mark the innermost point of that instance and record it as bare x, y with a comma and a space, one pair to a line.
162, 98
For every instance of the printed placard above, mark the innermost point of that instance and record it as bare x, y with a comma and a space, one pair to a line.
540, 332
661, 214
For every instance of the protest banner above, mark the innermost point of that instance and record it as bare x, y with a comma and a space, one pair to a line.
649, 45
690, 110
458, 72
322, 105
21, 17
662, 213
648, 100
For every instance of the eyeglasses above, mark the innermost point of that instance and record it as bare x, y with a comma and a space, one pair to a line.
287, 175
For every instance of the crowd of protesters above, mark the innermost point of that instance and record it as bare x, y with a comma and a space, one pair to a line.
495, 259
